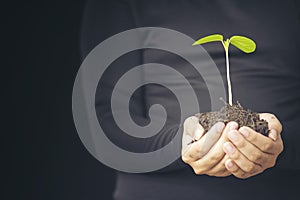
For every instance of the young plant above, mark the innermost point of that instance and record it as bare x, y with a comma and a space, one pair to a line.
243, 43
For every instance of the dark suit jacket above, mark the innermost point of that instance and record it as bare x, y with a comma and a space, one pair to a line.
266, 81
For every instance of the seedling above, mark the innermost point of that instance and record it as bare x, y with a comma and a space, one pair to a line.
243, 43
231, 112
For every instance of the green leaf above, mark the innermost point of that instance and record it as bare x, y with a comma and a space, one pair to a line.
210, 38
243, 43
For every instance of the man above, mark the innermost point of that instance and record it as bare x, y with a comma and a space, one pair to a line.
267, 81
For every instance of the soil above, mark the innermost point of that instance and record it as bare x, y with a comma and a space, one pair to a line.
234, 113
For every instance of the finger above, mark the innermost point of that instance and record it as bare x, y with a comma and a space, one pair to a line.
221, 174
199, 148
192, 131
250, 151
273, 134
242, 162
234, 169
224, 174
193, 128
212, 137
213, 132
272, 120
199, 132
265, 144
276, 137
214, 153
219, 169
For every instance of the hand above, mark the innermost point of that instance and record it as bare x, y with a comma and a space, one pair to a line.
205, 155
249, 152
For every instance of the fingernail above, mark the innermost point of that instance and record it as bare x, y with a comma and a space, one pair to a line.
232, 125
244, 131
228, 148
273, 134
230, 164
198, 134
233, 135
220, 126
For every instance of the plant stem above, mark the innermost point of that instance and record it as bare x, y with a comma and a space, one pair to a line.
228, 78
226, 47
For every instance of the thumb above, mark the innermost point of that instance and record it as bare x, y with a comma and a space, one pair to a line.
199, 132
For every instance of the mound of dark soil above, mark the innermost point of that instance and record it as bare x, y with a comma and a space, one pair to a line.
234, 113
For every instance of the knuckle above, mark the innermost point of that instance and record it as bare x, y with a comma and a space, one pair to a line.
251, 137
185, 158
216, 157
201, 166
240, 143
198, 171
281, 147
255, 156
221, 171
240, 175
250, 168
280, 127
235, 170
226, 173
235, 155
271, 163
267, 147
244, 176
